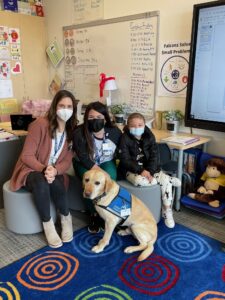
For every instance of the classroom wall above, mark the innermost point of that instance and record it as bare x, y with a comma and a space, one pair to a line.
32, 82
175, 24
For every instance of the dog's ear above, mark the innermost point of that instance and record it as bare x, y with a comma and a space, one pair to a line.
108, 183
83, 180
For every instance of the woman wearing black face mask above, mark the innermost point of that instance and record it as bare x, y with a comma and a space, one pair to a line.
95, 143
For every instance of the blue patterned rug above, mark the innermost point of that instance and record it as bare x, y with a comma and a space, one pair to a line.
185, 265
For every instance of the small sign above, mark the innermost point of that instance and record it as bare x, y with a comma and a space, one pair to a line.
54, 53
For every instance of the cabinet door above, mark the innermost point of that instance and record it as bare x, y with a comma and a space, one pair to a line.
33, 81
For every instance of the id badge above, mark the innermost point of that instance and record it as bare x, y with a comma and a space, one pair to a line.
125, 212
106, 148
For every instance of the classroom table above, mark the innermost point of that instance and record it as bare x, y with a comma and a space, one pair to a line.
10, 150
161, 134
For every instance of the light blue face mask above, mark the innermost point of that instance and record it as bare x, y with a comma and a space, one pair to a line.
137, 131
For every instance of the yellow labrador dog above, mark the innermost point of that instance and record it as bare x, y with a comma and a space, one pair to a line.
103, 191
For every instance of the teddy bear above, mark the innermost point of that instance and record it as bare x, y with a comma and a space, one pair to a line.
212, 183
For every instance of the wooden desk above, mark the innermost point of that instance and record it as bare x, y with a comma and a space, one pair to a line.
160, 134
10, 151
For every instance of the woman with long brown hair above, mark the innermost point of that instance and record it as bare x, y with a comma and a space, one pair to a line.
45, 158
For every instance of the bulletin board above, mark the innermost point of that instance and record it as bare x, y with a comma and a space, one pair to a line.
124, 47
32, 80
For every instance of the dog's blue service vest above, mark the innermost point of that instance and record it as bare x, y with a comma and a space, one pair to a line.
120, 205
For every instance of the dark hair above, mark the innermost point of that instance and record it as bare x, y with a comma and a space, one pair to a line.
102, 109
52, 116
135, 116
219, 163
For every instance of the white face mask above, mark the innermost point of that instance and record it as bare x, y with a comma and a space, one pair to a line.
64, 114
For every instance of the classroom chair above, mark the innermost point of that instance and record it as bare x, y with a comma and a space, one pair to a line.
217, 212
21, 214
166, 163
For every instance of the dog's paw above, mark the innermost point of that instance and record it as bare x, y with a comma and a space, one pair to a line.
97, 249
130, 249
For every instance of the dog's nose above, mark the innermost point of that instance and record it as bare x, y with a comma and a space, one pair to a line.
87, 194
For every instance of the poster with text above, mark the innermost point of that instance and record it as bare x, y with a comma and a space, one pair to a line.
173, 69
87, 10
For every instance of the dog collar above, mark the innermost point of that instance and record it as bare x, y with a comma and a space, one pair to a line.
95, 200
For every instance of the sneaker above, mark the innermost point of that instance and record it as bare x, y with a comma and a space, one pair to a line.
168, 217
94, 225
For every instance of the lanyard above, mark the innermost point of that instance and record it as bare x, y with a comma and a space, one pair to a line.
58, 145
97, 156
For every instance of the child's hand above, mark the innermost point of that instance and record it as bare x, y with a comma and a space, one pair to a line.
147, 175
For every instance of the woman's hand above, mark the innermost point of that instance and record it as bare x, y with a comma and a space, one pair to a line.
50, 174
147, 175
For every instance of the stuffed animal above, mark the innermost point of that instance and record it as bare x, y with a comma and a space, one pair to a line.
212, 184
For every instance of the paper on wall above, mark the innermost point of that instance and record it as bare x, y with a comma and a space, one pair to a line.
54, 53
15, 52
4, 37
87, 10
174, 68
4, 69
8, 106
6, 89
14, 35
16, 69
55, 85
4, 53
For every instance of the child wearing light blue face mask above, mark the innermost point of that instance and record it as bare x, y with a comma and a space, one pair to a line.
139, 158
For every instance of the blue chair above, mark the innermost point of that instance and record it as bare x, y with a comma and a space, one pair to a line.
217, 212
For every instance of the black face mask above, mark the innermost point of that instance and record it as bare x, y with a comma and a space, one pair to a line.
95, 125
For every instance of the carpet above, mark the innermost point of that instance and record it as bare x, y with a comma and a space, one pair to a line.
185, 265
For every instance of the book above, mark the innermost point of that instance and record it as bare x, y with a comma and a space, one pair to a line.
5, 135
181, 139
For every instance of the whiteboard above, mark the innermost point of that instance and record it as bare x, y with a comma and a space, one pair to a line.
124, 47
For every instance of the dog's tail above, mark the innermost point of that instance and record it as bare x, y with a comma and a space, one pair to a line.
148, 251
